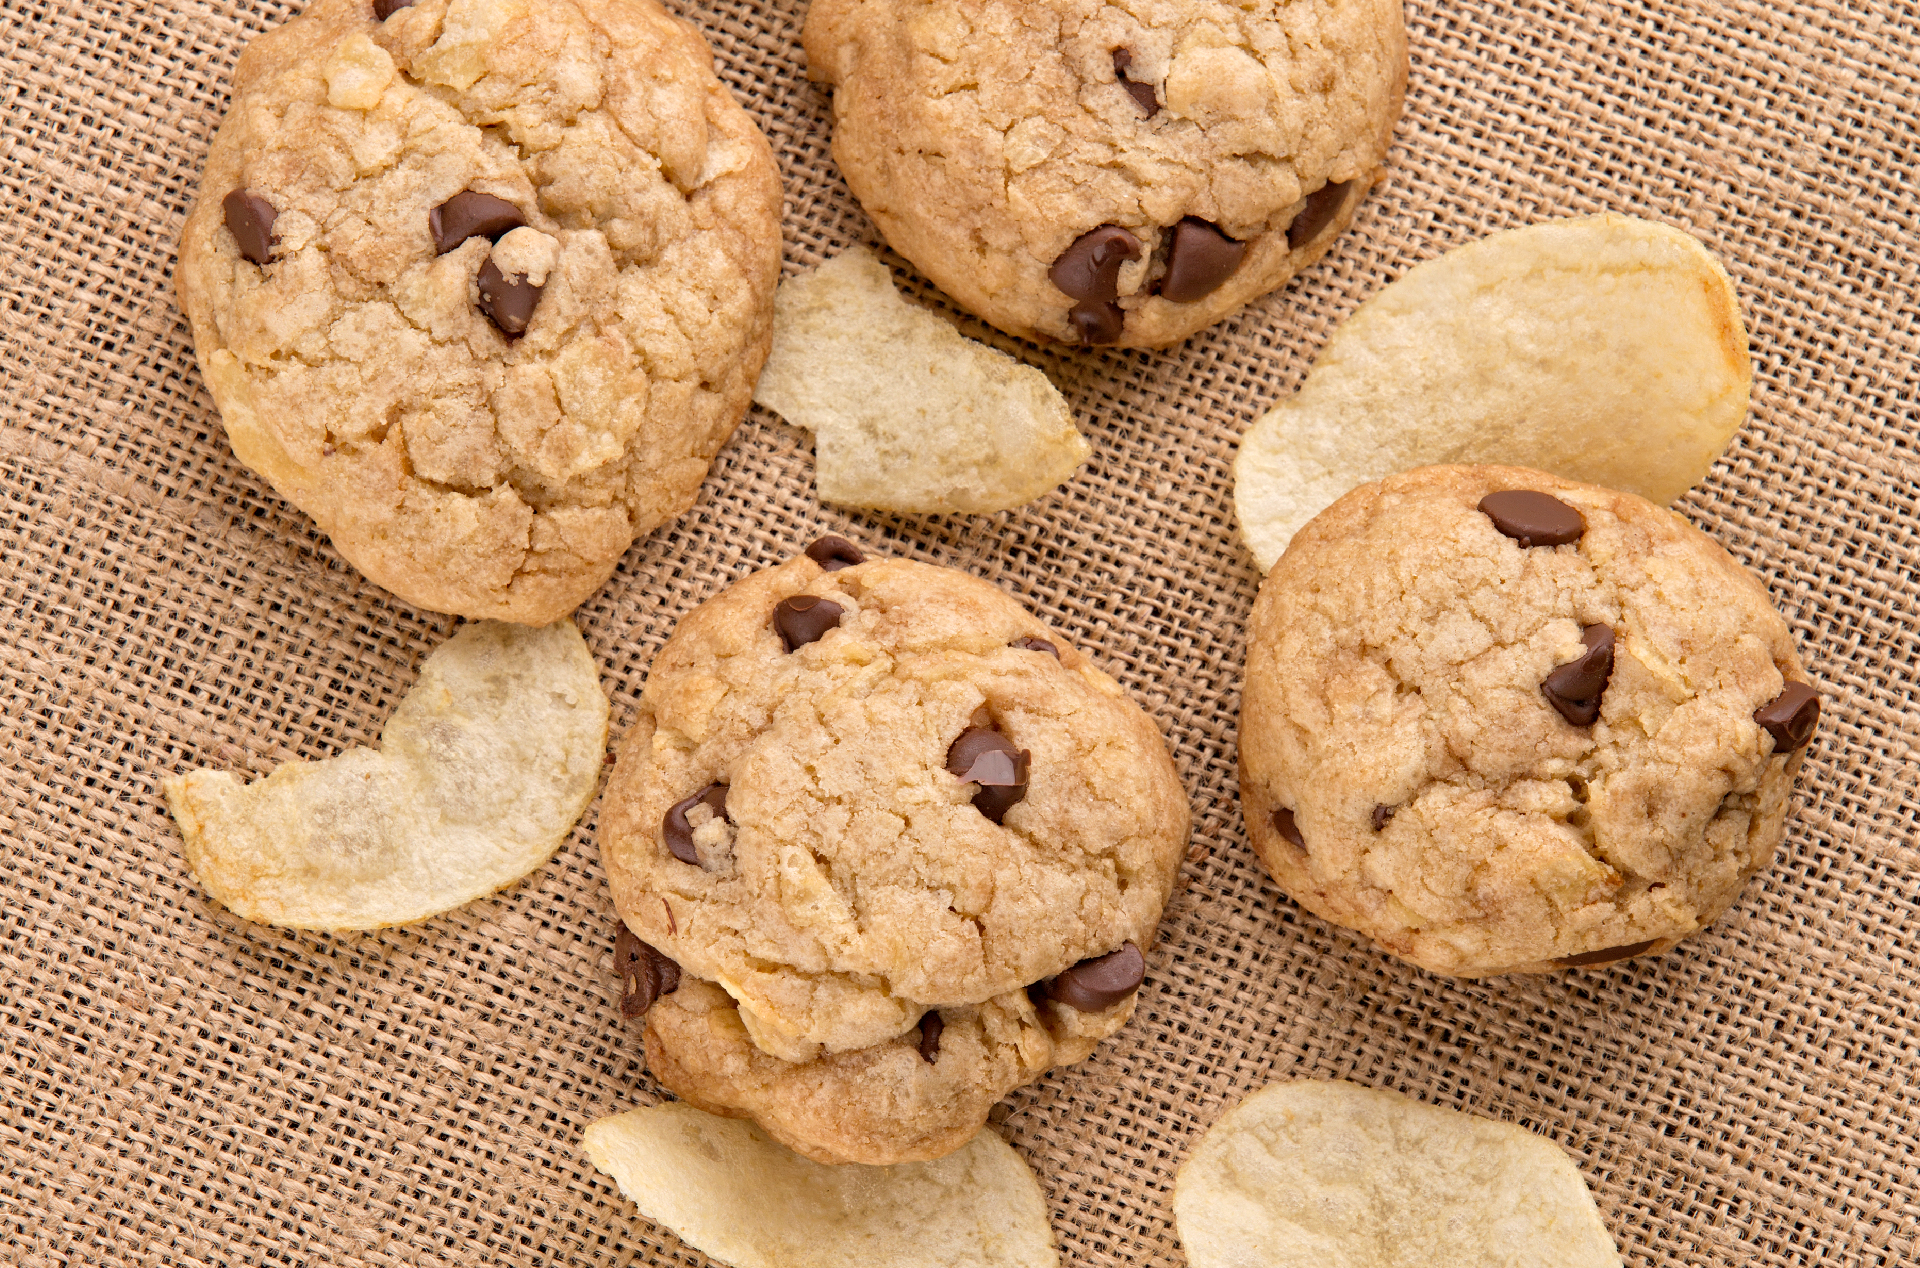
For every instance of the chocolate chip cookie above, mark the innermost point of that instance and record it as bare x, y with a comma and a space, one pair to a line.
482, 285
1105, 174
1502, 722
879, 818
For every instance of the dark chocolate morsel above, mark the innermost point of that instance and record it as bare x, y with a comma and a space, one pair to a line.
471, 214
1143, 94
1791, 716
1098, 325
384, 9
1533, 518
1323, 204
1576, 687
930, 1028
1382, 816
1606, 955
678, 833
989, 759
1036, 645
805, 618
1283, 824
1089, 270
1100, 983
834, 553
645, 973
1199, 259
250, 220
509, 301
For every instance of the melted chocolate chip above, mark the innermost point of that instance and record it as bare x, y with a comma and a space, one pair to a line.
1143, 94
1533, 518
1790, 717
1100, 983
1199, 259
1576, 687
1382, 816
1323, 204
930, 1028
250, 220
1036, 645
1283, 824
678, 833
805, 618
1098, 325
834, 553
989, 759
1606, 955
509, 301
1089, 270
644, 972
471, 214
384, 9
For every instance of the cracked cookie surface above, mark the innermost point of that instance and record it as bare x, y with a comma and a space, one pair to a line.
846, 880
986, 137
378, 383
1411, 766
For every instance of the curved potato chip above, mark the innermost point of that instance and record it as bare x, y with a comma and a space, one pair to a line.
907, 413
1334, 1175
481, 772
730, 1191
1604, 349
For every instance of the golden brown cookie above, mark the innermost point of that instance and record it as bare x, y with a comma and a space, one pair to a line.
1093, 173
483, 286
1501, 722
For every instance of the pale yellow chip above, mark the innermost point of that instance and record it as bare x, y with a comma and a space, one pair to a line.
1603, 349
729, 1190
481, 773
908, 414
1334, 1175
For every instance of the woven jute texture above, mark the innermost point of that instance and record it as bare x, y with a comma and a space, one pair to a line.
179, 1086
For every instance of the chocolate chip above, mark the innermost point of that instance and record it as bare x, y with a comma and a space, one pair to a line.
384, 9
1199, 259
645, 973
804, 619
930, 1028
509, 301
1323, 204
1102, 982
471, 214
1576, 687
1089, 270
1036, 645
1791, 716
250, 220
1098, 325
678, 833
1607, 955
1382, 816
834, 553
1283, 824
1533, 518
1143, 94
989, 759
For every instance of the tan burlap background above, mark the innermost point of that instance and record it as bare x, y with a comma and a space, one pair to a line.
181, 1087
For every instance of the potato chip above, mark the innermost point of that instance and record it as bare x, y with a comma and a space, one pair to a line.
729, 1190
1334, 1175
481, 772
907, 413
1604, 349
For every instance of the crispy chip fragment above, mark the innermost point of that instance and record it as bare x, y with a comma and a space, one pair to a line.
481, 772
907, 413
1334, 1175
1604, 349
730, 1191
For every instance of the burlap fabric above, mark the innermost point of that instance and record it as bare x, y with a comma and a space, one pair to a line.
182, 1087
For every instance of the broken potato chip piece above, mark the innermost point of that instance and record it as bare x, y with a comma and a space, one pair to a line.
481, 773
729, 1190
1334, 1175
907, 413
1605, 349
